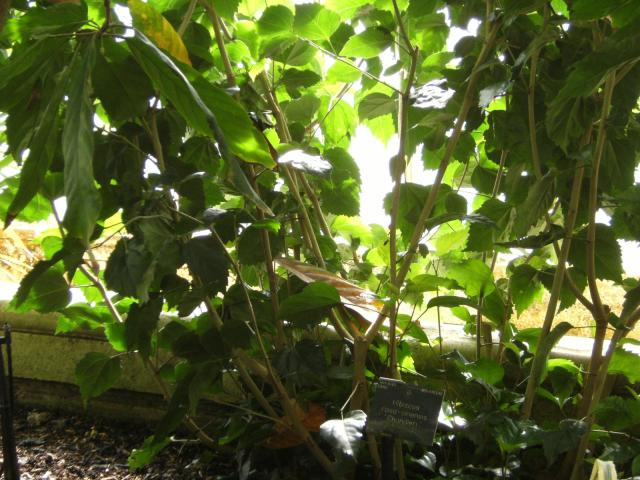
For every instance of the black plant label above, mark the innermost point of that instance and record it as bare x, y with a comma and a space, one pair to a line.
405, 411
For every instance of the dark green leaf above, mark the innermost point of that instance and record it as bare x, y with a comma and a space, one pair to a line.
83, 199
617, 413
345, 435
171, 81
340, 193
208, 261
251, 249
303, 364
44, 289
96, 373
42, 148
315, 297
589, 10
131, 97
130, 269
608, 256
141, 321
524, 286
538, 202
631, 302
559, 440
544, 349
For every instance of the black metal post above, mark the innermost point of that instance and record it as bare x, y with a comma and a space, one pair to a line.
387, 457
9, 453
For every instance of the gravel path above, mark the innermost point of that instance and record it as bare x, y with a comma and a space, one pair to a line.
55, 446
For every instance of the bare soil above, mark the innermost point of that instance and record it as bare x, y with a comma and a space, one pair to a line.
67, 447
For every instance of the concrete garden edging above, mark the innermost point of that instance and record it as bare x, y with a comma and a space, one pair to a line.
44, 365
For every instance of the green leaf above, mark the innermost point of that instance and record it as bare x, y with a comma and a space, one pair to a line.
631, 302
43, 289
346, 8
81, 315
303, 364
275, 20
171, 82
157, 28
315, 22
538, 202
208, 261
38, 22
617, 413
42, 147
96, 373
625, 362
487, 370
589, 10
474, 276
376, 104
451, 301
314, 298
130, 269
608, 256
543, 350
250, 247
525, 287
141, 321
566, 115
345, 435
143, 456
83, 199
370, 43
294, 78
559, 440
243, 138
340, 193
536, 241
429, 283
131, 97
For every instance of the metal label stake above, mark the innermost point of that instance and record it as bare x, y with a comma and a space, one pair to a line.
9, 453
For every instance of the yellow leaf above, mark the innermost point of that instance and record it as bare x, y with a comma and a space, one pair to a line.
158, 29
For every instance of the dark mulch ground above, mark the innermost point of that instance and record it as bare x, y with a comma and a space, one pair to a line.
59, 446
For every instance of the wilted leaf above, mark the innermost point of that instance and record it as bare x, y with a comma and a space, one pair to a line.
351, 293
157, 28
286, 437
300, 160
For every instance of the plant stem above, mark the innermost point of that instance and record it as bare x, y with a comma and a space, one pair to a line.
354, 66
285, 401
556, 287
187, 17
398, 170
435, 187
217, 28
